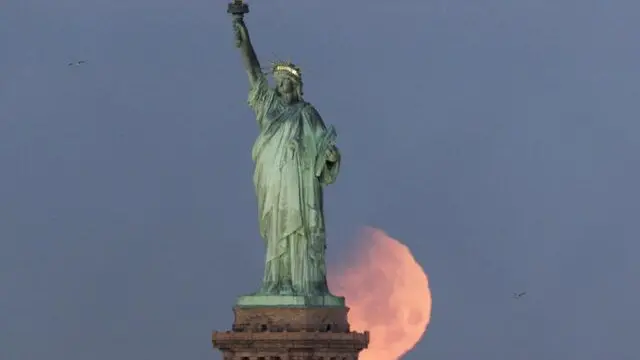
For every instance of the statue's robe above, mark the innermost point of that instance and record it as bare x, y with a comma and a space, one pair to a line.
289, 192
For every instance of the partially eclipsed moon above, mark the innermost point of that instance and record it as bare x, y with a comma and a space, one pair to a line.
388, 294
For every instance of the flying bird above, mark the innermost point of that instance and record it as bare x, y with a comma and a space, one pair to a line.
77, 63
519, 295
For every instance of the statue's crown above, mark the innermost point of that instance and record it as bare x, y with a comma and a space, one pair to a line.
287, 67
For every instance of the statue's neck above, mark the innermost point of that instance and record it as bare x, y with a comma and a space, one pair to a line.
289, 99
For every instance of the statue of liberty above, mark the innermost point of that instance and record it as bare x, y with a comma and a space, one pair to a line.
295, 157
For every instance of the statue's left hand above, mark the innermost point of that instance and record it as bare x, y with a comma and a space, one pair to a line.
332, 154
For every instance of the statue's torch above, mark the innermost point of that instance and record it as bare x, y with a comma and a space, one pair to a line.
237, 8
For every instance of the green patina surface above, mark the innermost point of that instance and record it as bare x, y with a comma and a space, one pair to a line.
295, 158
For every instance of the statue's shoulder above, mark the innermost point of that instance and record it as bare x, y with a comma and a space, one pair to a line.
310, 109
260, 89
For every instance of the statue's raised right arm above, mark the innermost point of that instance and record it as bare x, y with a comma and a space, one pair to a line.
243, 42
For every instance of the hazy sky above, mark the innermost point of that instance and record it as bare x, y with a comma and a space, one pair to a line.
497, 138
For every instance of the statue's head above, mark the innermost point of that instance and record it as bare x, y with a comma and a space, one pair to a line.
288, 78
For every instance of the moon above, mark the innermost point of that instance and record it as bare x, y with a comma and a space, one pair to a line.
387, 292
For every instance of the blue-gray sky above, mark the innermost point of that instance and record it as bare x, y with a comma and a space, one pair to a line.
497, 138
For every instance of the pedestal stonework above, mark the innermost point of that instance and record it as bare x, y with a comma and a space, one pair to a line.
290, 333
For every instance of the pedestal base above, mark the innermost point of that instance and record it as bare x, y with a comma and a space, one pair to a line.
290, 333
291, 319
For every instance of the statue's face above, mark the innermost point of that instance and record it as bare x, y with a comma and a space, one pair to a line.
284, 84
287, 88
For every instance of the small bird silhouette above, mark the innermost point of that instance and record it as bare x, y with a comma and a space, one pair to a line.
77, 63
519, 295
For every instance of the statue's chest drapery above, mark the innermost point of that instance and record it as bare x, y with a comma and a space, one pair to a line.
287, 136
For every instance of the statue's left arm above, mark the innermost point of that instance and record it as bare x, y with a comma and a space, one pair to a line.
331, 156
332, 166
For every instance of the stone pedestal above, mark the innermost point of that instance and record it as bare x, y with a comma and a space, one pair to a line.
290, 333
